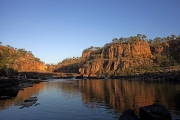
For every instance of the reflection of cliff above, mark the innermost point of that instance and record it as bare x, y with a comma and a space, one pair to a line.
22, 95
68, 87
121, 95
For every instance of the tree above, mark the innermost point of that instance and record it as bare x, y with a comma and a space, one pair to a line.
157, 40
144, 37
173, 37
121, 40
0, 43
139, 36
115, 40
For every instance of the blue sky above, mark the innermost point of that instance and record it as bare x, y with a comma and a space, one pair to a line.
57, 29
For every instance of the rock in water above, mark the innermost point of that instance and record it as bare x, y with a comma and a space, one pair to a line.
128, 115
154, 112
31, 99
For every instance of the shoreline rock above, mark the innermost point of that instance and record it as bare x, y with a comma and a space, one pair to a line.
10, 87
151, 112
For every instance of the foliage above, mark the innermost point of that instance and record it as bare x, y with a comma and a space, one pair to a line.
9, 71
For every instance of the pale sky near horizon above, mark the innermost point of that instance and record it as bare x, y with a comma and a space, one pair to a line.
57, 29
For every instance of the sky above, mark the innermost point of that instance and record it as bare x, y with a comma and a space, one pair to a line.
57, 29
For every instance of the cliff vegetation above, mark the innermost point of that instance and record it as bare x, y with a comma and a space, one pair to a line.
127, 56
13, 60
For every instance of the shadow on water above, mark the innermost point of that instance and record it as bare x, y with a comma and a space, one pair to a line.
9, 93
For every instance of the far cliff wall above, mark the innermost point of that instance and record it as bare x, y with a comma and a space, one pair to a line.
119, 57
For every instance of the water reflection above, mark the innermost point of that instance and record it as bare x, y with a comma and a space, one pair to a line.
124, 94
116, 95
22, 95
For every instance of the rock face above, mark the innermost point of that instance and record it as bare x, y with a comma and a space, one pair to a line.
21, 60
86, 53
118, 57
139, 49
166, 48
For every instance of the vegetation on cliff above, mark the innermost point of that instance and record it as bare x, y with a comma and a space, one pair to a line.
123, 56
19, 59
127, 56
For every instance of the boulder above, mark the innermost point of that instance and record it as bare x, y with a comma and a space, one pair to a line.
128, 115
154, 112
9, 85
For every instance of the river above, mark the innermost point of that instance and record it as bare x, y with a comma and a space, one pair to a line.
62, 99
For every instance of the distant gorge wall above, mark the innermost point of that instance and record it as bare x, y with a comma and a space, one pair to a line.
117, 57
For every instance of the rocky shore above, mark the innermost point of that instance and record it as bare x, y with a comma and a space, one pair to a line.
10, 87
151, 112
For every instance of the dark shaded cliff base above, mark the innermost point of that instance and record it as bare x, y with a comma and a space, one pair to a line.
151, 112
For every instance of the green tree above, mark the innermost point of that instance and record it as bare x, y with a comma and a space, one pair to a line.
139, 36
173, 37
115, 40
144, 37
121, 40
157, 40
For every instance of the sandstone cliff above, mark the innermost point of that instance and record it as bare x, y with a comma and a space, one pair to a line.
20, 59
118, 57
125, 58
166, 48
87, 53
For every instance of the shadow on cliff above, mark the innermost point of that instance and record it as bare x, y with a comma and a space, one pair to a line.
70, 68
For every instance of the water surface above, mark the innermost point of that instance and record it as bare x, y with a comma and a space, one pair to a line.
90, 99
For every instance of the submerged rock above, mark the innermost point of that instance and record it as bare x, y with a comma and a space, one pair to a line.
4, 97
28, 102
31, 99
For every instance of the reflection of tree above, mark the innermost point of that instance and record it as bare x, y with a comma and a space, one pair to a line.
120, 94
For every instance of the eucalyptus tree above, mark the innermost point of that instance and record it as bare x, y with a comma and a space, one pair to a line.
121, 40
173, 37
115, 40
157, 40
139, 35
143, 37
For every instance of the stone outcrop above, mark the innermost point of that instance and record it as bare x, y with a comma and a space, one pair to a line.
154, 112
20, 60
118, 57
165, 48
87, 53
139, 49
151, 112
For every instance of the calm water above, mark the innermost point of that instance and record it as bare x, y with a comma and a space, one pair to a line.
90, 99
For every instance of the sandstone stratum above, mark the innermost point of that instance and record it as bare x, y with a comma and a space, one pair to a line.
20, 59
124, 56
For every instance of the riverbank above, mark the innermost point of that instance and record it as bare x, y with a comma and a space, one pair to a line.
169, 75
10, 87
